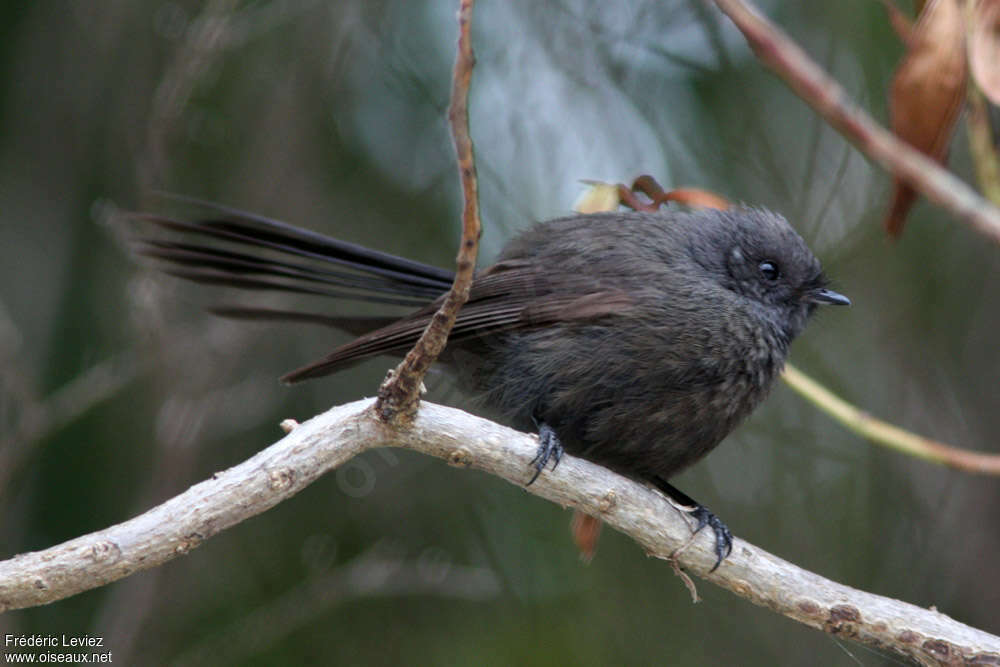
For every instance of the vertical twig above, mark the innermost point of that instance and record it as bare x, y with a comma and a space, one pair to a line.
399, 394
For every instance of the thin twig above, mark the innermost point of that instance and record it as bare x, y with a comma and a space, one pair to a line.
886, 434
399, 394
820, 91
329, 440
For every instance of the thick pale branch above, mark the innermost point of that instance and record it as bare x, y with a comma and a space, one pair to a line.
820, 91
330, 439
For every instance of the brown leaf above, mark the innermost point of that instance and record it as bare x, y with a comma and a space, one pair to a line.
984, 47
586, 531
606, 197
697, 198
927, 93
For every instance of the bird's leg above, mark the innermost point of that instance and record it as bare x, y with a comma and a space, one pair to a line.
549, 448
704, 517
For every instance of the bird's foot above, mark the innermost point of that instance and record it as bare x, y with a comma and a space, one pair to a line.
549, 449
704, 517
723, 538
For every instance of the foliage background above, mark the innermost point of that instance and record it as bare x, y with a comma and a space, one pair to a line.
119, 392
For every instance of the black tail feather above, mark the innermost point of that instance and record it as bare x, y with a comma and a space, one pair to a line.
262, 284
186, 254
249, 230
251, 252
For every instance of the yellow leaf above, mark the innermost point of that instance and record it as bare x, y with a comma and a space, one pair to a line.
599, 197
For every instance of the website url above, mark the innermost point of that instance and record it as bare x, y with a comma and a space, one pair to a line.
47, 658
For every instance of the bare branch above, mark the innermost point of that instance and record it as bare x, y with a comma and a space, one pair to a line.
825, 95
399, 394
330, 439
886, 434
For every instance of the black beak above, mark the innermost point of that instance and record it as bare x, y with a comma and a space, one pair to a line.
828, 296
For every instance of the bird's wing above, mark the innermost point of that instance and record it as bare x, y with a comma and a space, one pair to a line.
506, 297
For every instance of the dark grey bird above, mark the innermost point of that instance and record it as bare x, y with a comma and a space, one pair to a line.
635, 340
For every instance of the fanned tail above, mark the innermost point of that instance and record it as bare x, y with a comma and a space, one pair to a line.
243, 250
238, 249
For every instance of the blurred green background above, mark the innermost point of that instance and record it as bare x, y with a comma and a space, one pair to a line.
118, 392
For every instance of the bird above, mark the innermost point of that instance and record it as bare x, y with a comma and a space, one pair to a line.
636, 340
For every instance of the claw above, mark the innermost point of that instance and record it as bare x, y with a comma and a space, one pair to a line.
723, 538
549, 448
704, 517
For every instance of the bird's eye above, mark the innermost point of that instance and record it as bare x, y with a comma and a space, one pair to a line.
769, 270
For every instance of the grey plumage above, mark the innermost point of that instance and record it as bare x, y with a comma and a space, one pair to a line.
691, 348
636, 340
